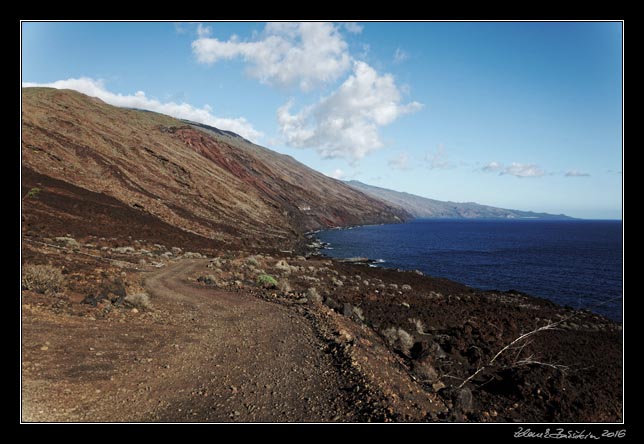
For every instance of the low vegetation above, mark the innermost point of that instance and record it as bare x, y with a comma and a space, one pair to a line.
266, 281
33, 193
42, 278
139, 300
399, 339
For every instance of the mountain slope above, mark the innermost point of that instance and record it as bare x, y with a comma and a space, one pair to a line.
422, 207
200, 180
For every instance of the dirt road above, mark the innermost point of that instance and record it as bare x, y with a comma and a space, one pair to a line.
200, 355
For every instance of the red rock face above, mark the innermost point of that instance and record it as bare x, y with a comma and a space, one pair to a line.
200, 180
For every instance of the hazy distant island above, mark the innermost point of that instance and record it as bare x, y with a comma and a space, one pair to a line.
422, 207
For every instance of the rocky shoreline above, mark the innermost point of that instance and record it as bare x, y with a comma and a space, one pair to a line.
416, 348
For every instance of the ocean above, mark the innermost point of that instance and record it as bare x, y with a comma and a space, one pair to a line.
571, 262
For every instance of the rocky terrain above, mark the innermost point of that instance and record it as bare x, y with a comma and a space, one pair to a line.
154, 333
166, 276
422, 207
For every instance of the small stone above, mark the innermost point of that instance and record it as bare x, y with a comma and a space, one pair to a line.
344, 336
438, 386
44, 348
134, 310
405, 304
465, 399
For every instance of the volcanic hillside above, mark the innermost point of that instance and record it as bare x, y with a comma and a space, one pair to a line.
102, 170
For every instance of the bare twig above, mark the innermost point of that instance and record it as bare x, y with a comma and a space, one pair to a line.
511, 345
551, 326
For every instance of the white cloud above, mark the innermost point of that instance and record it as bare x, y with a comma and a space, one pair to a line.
492, 167
203, 31
346, 123
179, 28
286, 54
576, 173
353, 27
437, 160
523, 170
514, 169
400, 162
337, 174
400, 55
96, 88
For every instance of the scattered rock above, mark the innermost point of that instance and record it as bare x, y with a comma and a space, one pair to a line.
208, 279
405, 304
192, 255
67, 241
438, 386
332, 303
176, 250
344, 336
124, 250
464, 400
337, 282
406, 287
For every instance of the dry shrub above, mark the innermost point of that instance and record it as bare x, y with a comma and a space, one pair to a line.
139, 300
399, 339
42, 278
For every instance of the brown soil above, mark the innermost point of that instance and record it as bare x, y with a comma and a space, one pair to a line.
202, 355
235, 352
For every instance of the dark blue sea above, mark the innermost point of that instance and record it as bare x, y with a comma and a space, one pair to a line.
573, 262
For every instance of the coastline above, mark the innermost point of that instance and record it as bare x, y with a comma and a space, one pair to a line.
412, 348
321, 248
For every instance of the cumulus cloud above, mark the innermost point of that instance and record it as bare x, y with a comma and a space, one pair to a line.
400, 56
346, 123
353, 27
514, 169
96, 88
576, 173
285, 54
400, 162
437, 160
337, 174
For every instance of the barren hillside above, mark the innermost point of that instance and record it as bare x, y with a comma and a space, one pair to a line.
200, 180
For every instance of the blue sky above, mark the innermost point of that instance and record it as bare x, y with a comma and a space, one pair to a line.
517, 115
